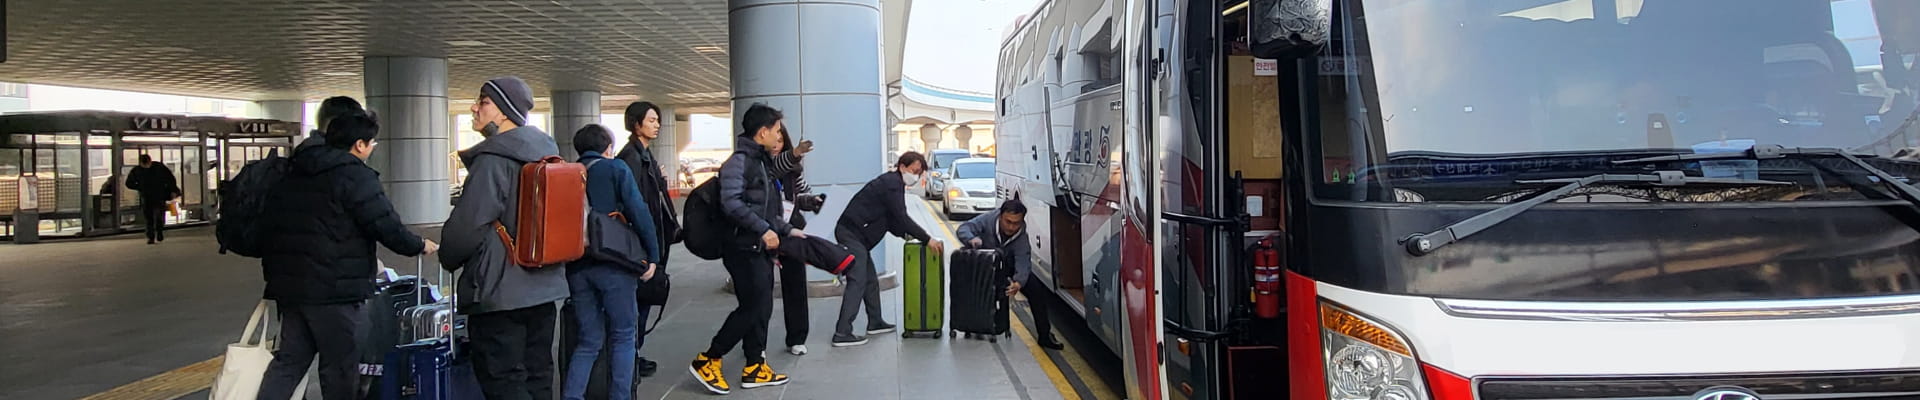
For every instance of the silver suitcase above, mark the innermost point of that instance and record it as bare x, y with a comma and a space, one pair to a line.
426, 321
433, 318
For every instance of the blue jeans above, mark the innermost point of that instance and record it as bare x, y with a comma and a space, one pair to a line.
608, 310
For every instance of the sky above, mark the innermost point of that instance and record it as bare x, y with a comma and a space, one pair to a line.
955, 44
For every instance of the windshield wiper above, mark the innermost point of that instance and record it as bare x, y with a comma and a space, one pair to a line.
1421, 244
1902, 189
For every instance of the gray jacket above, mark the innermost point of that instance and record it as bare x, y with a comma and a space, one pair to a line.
986, 227
490, 282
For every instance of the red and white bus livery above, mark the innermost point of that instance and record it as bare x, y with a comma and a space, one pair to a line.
1487, 199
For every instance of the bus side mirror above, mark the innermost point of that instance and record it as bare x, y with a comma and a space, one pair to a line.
1280, 29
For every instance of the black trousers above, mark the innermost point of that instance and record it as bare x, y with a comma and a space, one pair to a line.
154, 214
863, 286
793, 299
513, 352
752, 273
1042, 325
328, 330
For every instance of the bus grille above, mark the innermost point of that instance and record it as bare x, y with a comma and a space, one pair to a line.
1888, 385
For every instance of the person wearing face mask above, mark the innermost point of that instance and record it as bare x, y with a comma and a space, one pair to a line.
877, 209
511, 309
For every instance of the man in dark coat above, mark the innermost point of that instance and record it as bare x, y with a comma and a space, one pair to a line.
156, 186
877, 209
749, 196
643, 122
322, 224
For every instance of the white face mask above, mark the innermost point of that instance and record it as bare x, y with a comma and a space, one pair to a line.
911, 179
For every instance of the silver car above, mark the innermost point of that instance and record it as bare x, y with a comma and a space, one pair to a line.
969, 188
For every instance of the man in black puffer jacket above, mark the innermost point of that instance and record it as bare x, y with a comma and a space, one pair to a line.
322, 224
749, 195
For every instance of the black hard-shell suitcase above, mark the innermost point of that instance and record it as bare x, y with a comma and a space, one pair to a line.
980, 301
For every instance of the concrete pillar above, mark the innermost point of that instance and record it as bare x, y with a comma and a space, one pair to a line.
962, 135
666, 149
572, 110
930, 136
819, 62
409, 95
294, 111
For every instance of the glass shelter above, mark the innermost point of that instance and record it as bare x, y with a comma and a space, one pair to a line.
77, 160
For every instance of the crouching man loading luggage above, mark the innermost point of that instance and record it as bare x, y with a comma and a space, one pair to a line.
1005, 230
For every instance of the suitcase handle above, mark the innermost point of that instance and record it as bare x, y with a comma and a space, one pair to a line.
453, 298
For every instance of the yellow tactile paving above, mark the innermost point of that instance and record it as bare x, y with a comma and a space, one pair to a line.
166, 386
1054, 374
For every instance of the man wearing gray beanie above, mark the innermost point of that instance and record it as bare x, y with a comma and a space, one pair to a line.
511, 309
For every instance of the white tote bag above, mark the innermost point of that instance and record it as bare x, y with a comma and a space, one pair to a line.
247, 360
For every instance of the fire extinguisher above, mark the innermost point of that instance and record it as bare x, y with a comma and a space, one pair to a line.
1266, 279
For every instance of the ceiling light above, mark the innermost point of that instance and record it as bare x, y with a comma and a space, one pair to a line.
466, 43
169, 49
340, 73
709, 49
625, 84
231, 71
621, 97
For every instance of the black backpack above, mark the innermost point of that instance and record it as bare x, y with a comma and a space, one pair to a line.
243, 200
706, 227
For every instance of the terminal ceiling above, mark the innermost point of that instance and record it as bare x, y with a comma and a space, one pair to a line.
667, 51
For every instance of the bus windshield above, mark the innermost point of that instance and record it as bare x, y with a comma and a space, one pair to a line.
1421, 94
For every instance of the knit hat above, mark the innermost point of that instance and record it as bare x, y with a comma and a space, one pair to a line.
511, 95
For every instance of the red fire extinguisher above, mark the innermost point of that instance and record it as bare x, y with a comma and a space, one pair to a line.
1266, 279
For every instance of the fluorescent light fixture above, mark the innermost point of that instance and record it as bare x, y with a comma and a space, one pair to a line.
337, 73
624, 84
1235, 8
466, 43
709, 49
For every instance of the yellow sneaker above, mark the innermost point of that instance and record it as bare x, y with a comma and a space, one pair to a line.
708, 371
758, 375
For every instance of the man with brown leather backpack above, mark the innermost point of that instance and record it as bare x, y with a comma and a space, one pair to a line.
512, 307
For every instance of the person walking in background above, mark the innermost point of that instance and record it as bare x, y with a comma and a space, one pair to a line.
512, 308
749, 197
156, 186
1005, 229
605, 302
643, 127
322, 225
878, 208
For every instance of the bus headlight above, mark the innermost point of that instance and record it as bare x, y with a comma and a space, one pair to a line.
1366, 360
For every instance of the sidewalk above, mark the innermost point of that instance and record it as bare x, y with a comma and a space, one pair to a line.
81, 318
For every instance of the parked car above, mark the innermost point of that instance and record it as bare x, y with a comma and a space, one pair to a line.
939, 161
969, 188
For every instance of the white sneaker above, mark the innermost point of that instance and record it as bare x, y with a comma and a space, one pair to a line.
798, 350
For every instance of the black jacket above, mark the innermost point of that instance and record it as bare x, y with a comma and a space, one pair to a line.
321, 224
653, 190
155, 183
748, 194
881, 207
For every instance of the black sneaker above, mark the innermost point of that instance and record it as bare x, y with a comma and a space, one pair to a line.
881, 328
646, 367
848, 340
